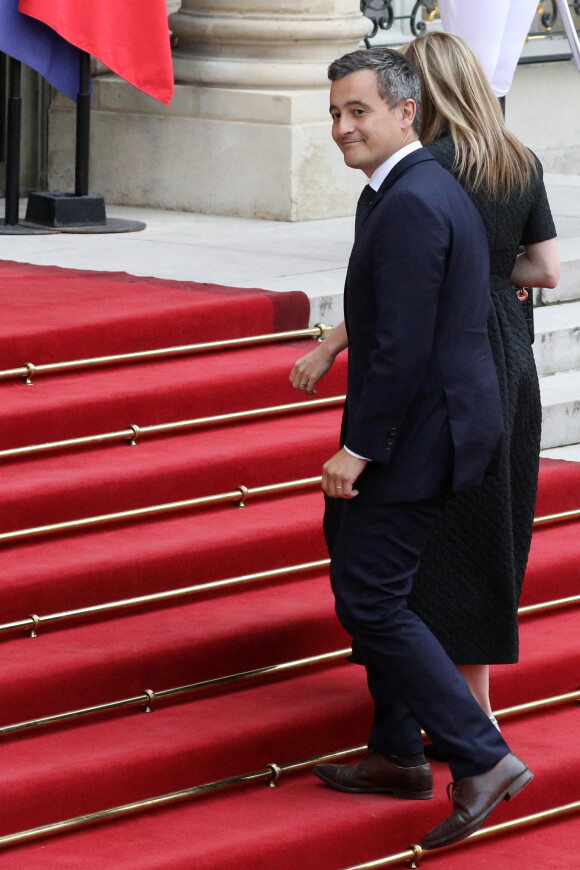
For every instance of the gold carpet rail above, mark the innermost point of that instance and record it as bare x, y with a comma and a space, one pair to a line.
34, 621
134, 433
534, 706
413, 853
557, 518
29, 370
531, 609
149, 697
239, 495
269, 774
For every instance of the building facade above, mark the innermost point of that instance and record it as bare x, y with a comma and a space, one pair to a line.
247, 132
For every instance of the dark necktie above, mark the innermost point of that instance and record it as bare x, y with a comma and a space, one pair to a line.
363, 207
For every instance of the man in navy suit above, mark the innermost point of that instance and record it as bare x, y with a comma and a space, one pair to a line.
422, 419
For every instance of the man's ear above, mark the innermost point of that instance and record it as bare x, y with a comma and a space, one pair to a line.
408, 112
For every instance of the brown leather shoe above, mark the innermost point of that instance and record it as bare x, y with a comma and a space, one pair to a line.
475, 797
377, 774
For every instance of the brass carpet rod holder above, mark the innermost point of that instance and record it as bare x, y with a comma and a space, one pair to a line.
146, 700
239, 495
33, 622
30, 370
269, 774
133, 434
415, 852
148, 697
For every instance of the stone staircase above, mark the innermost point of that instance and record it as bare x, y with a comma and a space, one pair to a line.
557, 325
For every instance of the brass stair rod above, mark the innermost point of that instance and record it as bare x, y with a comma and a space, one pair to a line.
33, 622
269, 774
531, 609
28, 370
415, 852
148, 697
128, 809
557, 518
240, 495
31, 449
132, 433
529, 706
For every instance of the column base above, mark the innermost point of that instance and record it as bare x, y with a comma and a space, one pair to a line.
226, 151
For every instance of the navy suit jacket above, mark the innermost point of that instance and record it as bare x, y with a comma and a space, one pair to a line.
422, 398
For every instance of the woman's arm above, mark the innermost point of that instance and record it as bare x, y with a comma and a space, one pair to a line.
308, 370
538, 266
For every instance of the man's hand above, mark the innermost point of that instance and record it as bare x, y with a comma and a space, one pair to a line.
339, 474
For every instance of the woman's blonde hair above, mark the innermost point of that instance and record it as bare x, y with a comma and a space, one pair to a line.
457, 101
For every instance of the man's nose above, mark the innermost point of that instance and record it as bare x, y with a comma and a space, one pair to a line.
345, 125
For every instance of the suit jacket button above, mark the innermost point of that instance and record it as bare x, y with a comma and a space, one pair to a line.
390, 441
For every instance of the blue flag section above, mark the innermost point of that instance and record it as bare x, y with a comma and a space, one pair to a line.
38, 46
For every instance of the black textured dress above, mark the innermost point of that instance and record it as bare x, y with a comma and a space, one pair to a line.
468, 585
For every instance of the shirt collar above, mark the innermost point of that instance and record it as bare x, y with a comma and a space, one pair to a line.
383, 170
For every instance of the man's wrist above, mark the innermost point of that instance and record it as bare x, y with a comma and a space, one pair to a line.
356, 455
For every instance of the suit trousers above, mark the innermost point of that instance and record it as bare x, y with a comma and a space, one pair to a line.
413, 682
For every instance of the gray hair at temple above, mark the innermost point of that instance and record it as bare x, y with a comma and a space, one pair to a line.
396, 77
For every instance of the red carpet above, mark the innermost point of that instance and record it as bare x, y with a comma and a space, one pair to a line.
97, 762
51, 314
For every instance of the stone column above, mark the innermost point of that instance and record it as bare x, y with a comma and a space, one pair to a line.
247, 132
262, 137
263, 43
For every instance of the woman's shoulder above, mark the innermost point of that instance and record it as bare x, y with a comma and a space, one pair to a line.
443, 150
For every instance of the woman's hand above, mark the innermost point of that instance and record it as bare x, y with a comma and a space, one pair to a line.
308, 370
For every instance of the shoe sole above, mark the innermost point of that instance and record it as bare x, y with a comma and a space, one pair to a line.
514, 788
424, 795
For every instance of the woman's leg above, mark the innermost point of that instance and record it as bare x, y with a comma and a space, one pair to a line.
477, 678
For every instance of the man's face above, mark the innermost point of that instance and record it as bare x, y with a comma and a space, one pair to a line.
365, 129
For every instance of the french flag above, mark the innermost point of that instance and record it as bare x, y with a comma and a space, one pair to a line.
39, 47
131, 37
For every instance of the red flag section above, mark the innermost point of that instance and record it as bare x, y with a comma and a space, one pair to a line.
131, 37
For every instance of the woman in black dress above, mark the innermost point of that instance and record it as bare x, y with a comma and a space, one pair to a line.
469, 582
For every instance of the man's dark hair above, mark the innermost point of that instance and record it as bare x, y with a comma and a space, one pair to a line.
396, 77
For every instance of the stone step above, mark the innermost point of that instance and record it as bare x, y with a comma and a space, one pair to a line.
561, 409
557, 322
564, 197
571, 453
557, 344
